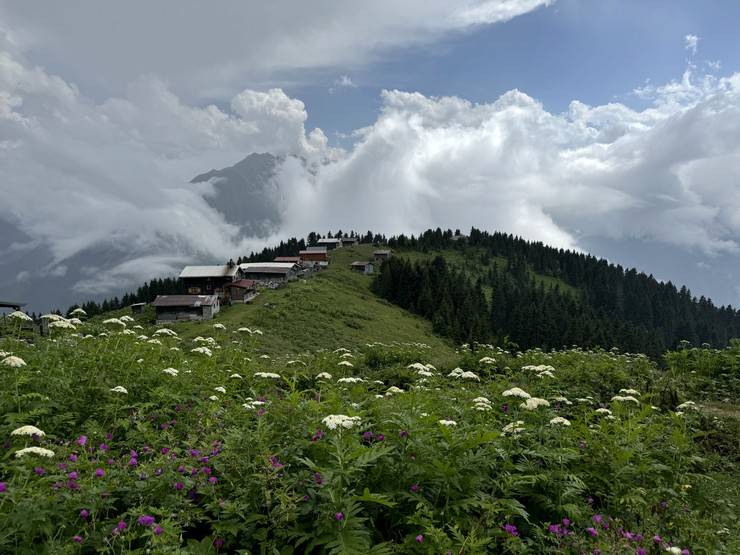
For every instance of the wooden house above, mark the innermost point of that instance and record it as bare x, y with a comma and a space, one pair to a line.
366, 267
242, 290
137, 308
174, 308
382, 255
350, 241
315, 255
294, 259
209, 280
270, 271
330, 243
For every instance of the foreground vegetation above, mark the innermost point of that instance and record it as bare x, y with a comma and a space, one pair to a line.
143, 441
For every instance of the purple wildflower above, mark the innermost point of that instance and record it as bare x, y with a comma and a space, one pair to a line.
84, 513
685, 552
275, 462
591, 530
419, 538
133, 462
403, 434
212, 480
3, 487
597, 518
82, 440
73, 457
566, 522
415, 488
157, 530
218, 543
165, 450
380, 437
40, 470
339, 516
179, 485
368, 436
99, 472
72, 475
641, 551
505, 407
511, 529
103, 447
146, 520
77, 539
318, 434
657, 538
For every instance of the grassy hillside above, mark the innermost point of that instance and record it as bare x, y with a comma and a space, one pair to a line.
333, 308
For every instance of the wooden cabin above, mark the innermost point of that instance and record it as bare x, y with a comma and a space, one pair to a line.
330, 243
366, 267
209, 280
315, 255
242, 290
382, 255
270, 271
177, 308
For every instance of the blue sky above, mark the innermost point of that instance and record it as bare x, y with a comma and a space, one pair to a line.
596, 51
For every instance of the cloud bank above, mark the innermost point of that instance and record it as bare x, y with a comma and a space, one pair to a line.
79, 175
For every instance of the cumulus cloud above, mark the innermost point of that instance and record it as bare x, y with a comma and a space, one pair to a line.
208, 53
691, 43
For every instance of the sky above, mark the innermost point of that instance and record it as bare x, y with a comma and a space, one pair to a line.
610, 127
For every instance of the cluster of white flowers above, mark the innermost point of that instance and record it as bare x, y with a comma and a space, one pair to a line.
128, 332
546, 374
119, 389
533, 403
487, 360
219, 326
559, 421
346, 363
603, 411
561, 399
127, 319
142, 337
334, 421
688, 405
447, 423
585, 400
632, 392
425, 373
114, 322
323, 376
202, 351
252, 404
514, 427
393, 390
292, 362
14, 361
270, 375
417, 366
21, 316
213, 398
28, 431
220, 389
52, 317
236, 377
456, 373
350, 380
62, 324
75, 321
171, 371
346, 355
538, 368
516, 392
625, 398
154, 341
78, 312
166, 331
482, 404
207, 340
40, 451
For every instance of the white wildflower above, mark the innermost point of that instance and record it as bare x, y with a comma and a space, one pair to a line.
447, 423
52, 317
323, 376
220, 389
27, 431
219, 326
561, 399
516, 392
482, 406
14, 361
546, 374
251, 404
456, 373
481, 400
270, 375
425, 373
688, 405
392, 390
166, 331
127, 319
346, 355
40, 451
346, 363
154, 341
602, 411
119, 389
138, 327
632, 392
625, 398
213, 398
334, 421
264, 356
341, 350
675, 550
171, 371
430, 367
559, 421
533, 402
78, 312
114, 322
292, 362
257, 332
350, 380
75, 321
142, 337
174, 348
469, 376
244, 330
62, 324
514, 427
236, 376
202, 350
18, 315
487, 360
417, 366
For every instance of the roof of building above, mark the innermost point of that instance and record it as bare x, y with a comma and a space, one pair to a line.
314, 249
209, 271
185, 300
138, 304
295, 259
330, 240
243, 284
362, 263
11, 304
269, 268
382, 251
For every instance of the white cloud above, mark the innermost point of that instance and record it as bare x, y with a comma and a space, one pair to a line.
343, 82
208, 53
691, 43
